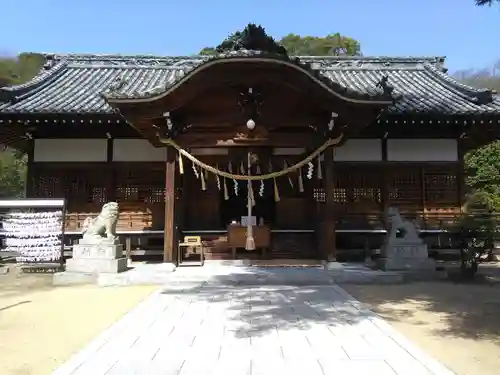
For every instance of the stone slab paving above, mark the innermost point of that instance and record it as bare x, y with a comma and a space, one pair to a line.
212, 328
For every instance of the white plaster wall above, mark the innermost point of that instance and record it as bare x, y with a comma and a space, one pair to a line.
137, 150
422, 150
359, 150
70, 150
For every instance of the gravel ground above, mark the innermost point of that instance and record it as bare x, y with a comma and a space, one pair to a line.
42, 326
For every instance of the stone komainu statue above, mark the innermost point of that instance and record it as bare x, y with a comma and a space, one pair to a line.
103, 227
406, 229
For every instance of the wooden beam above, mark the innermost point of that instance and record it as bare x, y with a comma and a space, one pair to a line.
170, 235
298, 139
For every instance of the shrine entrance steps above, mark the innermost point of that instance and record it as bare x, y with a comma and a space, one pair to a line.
223, 274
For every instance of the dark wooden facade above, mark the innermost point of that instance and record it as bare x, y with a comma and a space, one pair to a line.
294, 111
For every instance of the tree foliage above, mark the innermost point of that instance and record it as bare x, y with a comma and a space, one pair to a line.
483, 174
482, 78
15, 70
12, 174
478, 228
486, 2
330, 45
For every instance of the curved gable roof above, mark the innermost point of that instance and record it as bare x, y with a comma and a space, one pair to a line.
76, 83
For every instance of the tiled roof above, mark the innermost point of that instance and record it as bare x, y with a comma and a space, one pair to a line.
76, 83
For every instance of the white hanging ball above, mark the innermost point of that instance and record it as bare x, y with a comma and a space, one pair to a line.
251, 124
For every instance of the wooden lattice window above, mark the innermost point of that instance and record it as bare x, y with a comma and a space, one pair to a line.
82, 186
319, 195
141, 183
357, 185
441, 187
405, 187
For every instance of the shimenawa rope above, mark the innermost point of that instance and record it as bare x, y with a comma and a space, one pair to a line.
317, 152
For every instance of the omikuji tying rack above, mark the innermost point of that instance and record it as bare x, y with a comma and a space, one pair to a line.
33, 231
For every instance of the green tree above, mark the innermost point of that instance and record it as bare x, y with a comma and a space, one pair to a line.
483, 174
486, 2
330, 45
15, 70
12, 174
482, 78
207, 51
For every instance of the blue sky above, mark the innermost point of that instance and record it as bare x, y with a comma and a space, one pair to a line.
466, 34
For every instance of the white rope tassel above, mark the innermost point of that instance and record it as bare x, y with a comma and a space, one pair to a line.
285, 166
203, 182
226, 192
181, 164
301, 182
276, 191
252, 196
320, 174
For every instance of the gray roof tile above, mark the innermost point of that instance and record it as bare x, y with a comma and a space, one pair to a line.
76, 83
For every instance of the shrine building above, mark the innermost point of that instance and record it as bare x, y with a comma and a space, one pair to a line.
167, 137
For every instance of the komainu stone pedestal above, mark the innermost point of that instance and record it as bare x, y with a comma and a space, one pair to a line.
98, 252
406, 256
90, 261
403, 249
97, 258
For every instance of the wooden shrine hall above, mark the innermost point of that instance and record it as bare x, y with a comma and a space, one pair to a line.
329, 143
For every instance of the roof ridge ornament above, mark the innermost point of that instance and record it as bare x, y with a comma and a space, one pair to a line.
387, 89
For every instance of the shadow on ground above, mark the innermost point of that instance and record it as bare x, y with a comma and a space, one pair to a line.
304, 297
465, 310
261, 300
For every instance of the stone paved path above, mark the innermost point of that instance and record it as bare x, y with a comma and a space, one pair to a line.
225, 329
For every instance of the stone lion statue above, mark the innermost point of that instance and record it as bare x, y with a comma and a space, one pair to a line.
103, 227
407, 230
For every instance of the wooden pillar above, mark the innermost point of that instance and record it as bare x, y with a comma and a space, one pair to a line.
329, 236
385, 182
111, 172
460, 171
29, 188
170, 235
